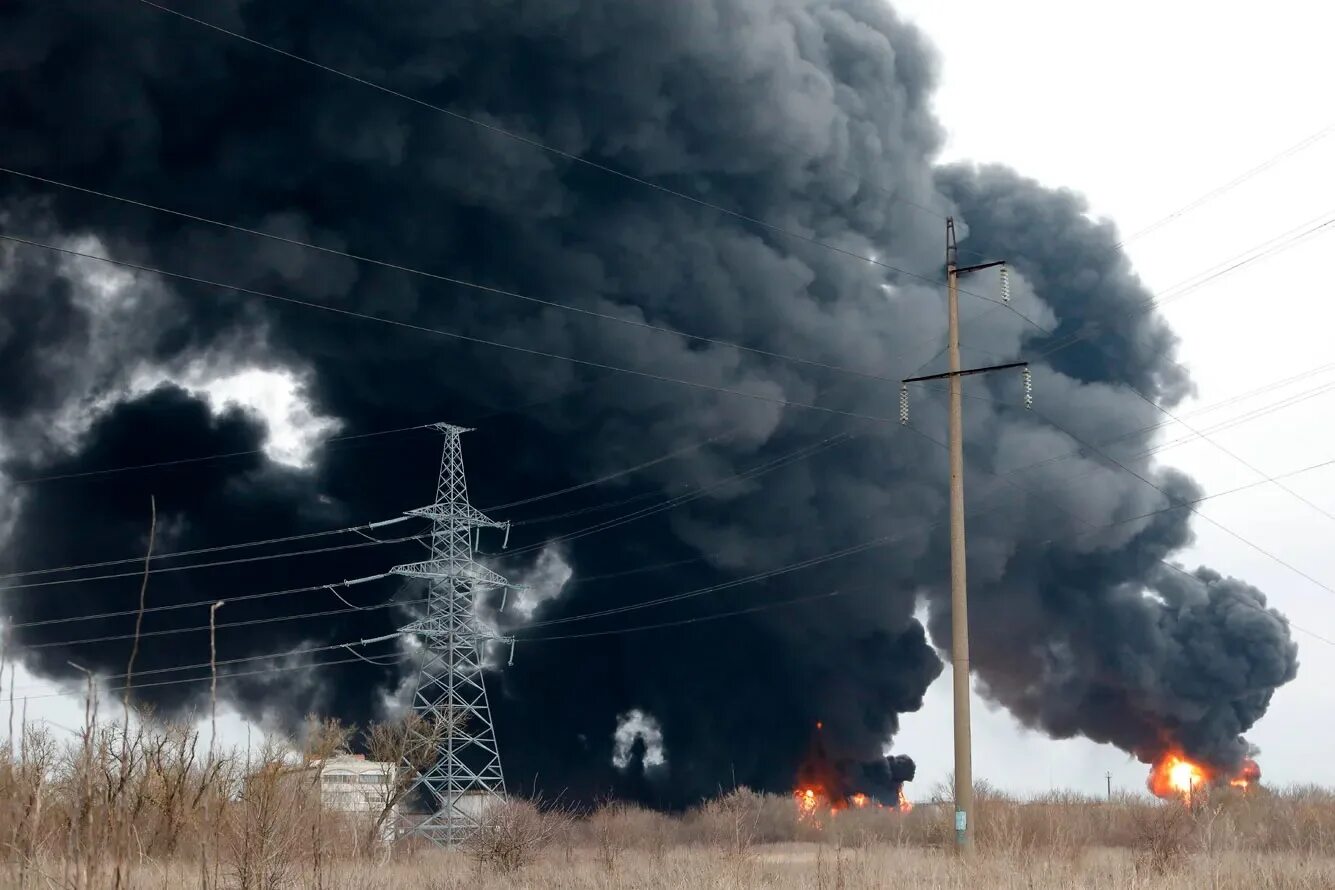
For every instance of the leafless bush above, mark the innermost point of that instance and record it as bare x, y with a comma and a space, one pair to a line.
1164, 838
263, 830
513, 833
730, 820
611, 829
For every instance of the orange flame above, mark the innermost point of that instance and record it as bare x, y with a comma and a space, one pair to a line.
813, 804
1247, 777
808, 801
1176, 776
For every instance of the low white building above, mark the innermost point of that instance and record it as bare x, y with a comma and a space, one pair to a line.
353, 784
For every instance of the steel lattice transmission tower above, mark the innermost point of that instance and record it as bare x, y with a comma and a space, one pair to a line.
466, 779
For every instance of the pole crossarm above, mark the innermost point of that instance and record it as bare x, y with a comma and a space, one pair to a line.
964, 270
943, 375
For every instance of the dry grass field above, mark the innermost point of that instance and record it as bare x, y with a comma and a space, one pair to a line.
156, 809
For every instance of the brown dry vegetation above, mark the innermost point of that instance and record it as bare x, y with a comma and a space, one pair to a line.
157, 809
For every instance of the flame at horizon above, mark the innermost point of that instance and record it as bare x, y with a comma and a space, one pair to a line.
1175, 775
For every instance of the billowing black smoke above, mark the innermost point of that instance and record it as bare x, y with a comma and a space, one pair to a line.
813, 116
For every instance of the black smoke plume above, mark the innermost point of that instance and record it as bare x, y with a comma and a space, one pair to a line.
813, 116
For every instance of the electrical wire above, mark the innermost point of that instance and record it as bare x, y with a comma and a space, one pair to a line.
348, 313
251, 622
695, 446
202, 550
207, 665
1259, 549
569, 156
779, 462
460, 282
172, 607
192, 460
1190, 505
690, 594
693, 620
1228, 186
205, 679
359, 529
207, 565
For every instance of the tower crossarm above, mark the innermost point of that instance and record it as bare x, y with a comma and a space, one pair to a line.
458, 516
478, 574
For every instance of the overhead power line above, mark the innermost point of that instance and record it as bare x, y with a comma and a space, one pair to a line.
209, 665
363, 527
1231, 184
678, 597
158, 557
1186, 505
208, 565
205, 679
1091, 329
348, 313
569, 156
643, 465
34, 480
1258, 548
331, 586
460, 282
747, 474
323, 443
799, 454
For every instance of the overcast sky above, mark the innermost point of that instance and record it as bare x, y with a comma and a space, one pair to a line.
1143, 107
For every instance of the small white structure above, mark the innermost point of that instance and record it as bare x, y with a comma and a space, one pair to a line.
353, 784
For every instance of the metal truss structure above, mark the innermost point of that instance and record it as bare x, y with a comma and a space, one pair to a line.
466, 779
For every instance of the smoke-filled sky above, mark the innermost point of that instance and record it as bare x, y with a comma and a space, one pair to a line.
1091, 619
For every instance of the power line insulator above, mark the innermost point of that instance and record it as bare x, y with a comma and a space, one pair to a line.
1005, 284
1028, 389
904, 404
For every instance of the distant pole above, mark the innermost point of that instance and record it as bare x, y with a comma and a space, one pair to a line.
959, 598
1108, 776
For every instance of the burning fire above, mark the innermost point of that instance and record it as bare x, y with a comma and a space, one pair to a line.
808, 802
1247, 777
822, 790
813, 803
1174, 775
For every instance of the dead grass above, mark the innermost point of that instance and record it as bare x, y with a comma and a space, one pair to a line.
155, 808
797, 866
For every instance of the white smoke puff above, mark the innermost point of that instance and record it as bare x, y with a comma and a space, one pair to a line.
638, 726
276, 395
544, 581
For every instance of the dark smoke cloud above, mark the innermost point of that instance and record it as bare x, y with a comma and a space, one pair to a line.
812, 115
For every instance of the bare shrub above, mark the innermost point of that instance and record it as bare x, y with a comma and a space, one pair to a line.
262, 834
611, 828
515, 831
1164, 838
730, 821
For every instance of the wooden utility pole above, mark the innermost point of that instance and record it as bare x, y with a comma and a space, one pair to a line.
959, 597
